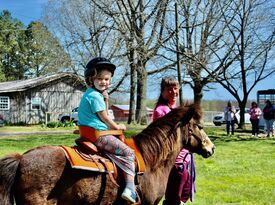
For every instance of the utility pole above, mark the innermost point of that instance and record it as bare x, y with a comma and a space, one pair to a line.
178, 54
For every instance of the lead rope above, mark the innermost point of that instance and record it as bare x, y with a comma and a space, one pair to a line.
193, 178
192, 168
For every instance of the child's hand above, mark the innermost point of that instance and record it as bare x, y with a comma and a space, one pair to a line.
122, 127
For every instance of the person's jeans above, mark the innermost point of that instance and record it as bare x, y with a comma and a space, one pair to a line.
269, 126
228, 124
255, 126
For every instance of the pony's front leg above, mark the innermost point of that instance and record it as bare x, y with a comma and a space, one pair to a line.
153, 186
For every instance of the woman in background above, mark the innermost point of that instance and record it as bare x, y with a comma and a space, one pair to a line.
229, 117
269, 115
255, 114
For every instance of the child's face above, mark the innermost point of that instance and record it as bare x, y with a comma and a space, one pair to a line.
103, 80
171, 93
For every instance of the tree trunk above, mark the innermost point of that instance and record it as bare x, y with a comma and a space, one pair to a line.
197, 92
141, 113
133, 80
242, 105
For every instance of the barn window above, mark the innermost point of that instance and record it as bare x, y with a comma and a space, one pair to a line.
4, 103
36, 103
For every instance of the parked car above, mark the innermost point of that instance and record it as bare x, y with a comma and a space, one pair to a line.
73, 116
218, 120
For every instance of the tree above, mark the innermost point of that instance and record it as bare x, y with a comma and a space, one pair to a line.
252, 35
203, 50
130, 32
12, 48
141, 25
44, 53
227, 42
83, 30
86, 32
28, 52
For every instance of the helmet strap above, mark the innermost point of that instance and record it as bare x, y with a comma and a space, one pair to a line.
97, 89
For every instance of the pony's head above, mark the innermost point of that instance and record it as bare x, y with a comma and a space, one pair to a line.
180, 128
193, 136
188, 121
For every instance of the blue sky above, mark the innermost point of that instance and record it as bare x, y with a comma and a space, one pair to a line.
30, 10
24, 10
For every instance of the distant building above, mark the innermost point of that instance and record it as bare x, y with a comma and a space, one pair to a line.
121, 112
29, 100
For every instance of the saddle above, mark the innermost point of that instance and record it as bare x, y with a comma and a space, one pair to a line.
85, 154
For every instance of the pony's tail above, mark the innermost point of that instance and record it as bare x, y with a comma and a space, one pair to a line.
8, 168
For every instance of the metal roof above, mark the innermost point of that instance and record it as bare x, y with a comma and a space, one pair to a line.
22, 85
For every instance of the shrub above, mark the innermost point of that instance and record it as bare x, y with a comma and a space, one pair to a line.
55, 124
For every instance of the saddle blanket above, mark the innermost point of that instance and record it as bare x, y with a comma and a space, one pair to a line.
80, 160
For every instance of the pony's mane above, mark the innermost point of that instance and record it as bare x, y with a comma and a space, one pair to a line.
159, 139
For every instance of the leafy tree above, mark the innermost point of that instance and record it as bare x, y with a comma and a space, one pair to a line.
44, 54
28, 52
12, 48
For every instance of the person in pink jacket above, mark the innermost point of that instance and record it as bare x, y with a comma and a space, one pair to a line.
255, 114
168, 97
181, 182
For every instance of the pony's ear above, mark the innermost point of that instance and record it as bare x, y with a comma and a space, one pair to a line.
191, 110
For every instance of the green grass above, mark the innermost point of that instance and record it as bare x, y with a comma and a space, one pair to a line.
22, 143
240, 172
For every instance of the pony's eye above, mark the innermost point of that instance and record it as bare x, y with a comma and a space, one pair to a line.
200, 126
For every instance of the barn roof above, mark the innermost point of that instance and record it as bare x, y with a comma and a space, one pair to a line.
22, 85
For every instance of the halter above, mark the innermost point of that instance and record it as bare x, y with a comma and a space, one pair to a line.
184, 133
187, 132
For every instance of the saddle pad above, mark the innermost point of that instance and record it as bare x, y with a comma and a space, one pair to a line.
140, 165
91, 163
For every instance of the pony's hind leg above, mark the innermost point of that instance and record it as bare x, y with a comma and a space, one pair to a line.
39, 171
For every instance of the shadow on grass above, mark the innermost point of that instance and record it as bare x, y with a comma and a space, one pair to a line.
238, 137
219, 134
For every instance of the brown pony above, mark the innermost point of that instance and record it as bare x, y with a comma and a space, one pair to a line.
42, 176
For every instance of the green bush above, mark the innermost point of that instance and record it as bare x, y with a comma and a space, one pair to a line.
68, 124
55, 124
21, 123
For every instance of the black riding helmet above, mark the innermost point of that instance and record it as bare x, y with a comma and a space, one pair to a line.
97, 64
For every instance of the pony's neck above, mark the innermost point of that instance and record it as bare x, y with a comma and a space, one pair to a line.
154, 181
159, 149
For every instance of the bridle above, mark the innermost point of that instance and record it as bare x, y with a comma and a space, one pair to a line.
186, 132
